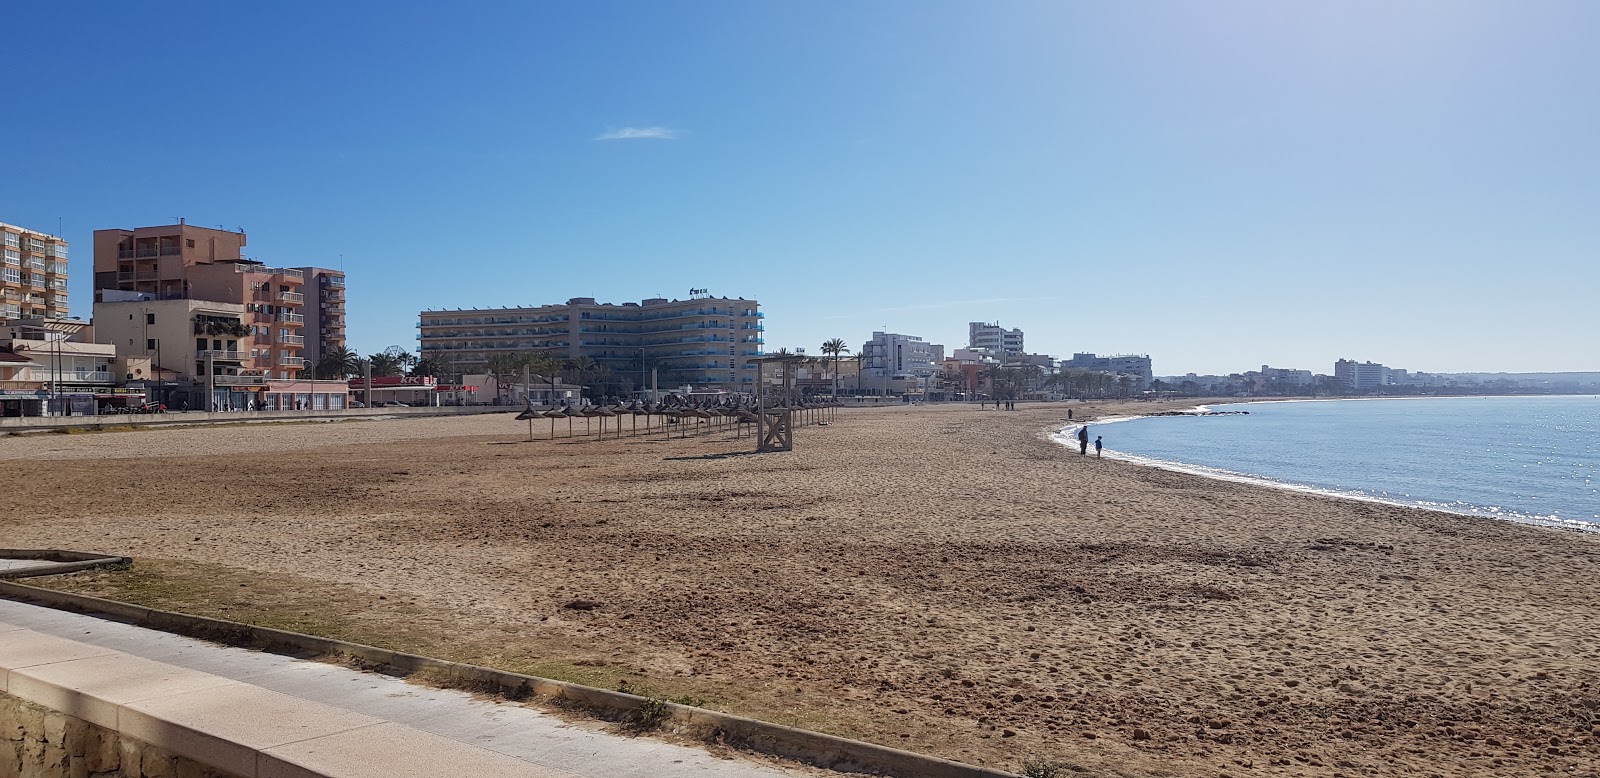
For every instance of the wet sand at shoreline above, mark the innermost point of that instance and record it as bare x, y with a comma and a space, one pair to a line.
942, 579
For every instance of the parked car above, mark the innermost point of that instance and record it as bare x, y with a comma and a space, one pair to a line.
393, 404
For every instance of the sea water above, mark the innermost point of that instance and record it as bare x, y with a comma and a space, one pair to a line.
1533, 459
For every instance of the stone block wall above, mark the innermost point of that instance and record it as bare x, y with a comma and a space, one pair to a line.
37, 742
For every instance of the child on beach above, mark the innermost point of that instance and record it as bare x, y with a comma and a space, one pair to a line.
1097, 447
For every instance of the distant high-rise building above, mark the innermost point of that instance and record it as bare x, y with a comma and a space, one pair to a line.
1136, 365
184, 262
324, 312
704, 342
33, 281
1361, 375
993, 338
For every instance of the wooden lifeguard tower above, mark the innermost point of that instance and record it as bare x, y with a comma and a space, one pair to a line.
775, 426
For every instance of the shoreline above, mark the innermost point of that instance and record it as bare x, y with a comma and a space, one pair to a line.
1062, 437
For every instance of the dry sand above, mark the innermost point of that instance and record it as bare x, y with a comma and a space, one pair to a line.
942, 579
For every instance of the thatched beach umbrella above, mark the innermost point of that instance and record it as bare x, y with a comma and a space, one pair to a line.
569, 412
603, 413
744, 417
529, 415
553, 414
636, 411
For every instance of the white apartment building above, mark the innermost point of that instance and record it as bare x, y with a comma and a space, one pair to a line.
1289, 376
49, 369
993, 338
1136, 365
1362, 375
895, 359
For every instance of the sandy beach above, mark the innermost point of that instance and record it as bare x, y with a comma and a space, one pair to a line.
942, 579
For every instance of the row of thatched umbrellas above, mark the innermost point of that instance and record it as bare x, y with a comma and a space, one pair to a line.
715, 417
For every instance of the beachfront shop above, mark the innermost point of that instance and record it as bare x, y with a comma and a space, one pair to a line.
23, 402
305, 396
413, 390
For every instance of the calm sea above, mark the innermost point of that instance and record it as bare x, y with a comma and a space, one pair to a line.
1534, 459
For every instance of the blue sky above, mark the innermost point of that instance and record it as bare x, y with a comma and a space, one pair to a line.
1218, 184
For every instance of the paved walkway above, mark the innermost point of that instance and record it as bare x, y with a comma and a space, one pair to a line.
513, 730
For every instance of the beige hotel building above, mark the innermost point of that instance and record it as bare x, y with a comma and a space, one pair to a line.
704, 342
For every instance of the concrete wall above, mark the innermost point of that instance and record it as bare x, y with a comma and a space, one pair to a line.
37, 742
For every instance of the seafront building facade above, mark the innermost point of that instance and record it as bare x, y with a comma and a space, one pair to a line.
702, 342
33, 274
49, 366
198, 349
182, 261
900, 364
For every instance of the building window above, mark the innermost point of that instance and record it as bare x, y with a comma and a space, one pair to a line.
13, 240
149, 318
150, 344
189, 242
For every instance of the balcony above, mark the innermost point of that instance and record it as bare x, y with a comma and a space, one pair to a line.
333, 308
292, 340
333, 280
238, 380
291, 297
125, 254
292, 318
291, 362
147, 251
231, 356
86, 376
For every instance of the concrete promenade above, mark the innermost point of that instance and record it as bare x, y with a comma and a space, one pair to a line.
27, 424
541, 740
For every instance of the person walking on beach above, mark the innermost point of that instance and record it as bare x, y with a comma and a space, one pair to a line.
1097, 447
1083, 440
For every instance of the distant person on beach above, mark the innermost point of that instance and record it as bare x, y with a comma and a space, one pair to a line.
1069, 414
1097, 447
1083, 440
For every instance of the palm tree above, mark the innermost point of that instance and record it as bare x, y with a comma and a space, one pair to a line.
584, 368
504, 367
385, 364
427, 366
545, 363
833, 348
338, 363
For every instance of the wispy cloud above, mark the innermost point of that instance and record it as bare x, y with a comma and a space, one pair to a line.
639, 133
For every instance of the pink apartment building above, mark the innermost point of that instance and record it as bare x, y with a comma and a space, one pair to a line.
182, 261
